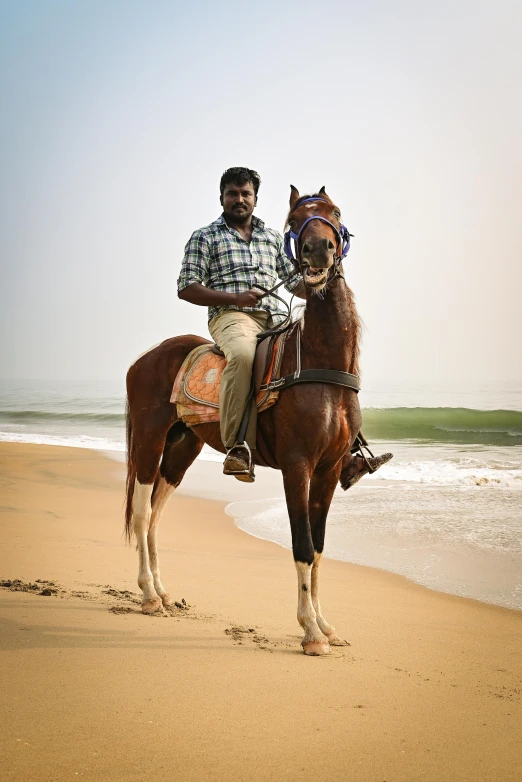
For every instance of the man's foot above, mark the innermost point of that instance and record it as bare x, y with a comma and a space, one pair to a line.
238, 463
357, 467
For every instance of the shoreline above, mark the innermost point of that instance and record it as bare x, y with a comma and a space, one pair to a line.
490, 577
430, 688
203, 482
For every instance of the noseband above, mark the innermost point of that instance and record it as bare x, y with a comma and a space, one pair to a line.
342, 234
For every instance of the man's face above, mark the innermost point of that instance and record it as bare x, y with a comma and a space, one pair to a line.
238, 202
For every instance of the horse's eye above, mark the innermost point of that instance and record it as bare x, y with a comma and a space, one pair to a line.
337, 214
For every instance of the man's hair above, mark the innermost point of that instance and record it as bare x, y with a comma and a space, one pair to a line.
239, 176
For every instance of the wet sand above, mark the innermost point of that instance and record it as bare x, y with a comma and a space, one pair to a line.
218, 689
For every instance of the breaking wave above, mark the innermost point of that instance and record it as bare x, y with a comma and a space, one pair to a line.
34, 416
432, 424
444, 425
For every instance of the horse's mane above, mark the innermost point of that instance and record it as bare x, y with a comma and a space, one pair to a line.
355, 331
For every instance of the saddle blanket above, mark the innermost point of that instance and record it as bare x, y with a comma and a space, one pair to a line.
196, 388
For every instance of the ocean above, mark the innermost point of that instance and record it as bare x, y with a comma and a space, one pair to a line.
446, 512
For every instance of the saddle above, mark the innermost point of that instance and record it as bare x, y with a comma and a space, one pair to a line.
196, 388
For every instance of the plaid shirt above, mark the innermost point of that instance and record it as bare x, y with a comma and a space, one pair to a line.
218, 257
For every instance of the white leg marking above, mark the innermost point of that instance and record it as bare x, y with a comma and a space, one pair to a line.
314, 641
329, 631
326, 628
161, 495
141, 513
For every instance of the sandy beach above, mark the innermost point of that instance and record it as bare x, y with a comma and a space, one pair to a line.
429, 689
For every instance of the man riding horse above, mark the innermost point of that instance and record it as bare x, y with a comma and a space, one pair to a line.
222, 265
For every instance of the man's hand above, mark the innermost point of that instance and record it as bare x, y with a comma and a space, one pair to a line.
248, 298
199, 294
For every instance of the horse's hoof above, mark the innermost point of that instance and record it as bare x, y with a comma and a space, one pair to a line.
315, 648
150, 606
165, 599
334, 640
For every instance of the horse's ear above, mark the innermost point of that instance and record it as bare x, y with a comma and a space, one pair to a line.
294, 196
322, 191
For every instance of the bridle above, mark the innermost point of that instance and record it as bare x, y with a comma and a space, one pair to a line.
343, 245
342, 234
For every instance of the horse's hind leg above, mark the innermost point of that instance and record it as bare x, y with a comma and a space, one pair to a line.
141, 516
322, 487
161, 493
146, 446
181, 448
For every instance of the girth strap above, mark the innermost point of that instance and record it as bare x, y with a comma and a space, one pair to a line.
333, 376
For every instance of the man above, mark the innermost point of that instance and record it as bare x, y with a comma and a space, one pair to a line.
222, 264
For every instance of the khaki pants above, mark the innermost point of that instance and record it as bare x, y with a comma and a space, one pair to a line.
235, 332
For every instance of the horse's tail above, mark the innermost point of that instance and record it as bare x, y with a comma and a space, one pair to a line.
131, 472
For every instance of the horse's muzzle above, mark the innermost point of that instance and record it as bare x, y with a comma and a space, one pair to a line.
318, 252
314, 278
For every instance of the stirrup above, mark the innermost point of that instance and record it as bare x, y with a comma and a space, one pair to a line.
363, 443
243, 471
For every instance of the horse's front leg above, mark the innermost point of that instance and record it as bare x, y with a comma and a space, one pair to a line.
296, 482
322, 486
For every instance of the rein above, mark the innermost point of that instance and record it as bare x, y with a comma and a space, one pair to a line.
329, 376
343, 241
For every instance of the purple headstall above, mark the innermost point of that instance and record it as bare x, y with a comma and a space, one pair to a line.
342, 233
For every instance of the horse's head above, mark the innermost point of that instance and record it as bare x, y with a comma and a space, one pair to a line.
320, 239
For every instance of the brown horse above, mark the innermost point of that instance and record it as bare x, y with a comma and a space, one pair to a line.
310, 429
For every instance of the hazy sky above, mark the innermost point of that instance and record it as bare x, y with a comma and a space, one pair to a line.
118, 118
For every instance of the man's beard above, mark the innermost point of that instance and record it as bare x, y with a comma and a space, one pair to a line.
239, 216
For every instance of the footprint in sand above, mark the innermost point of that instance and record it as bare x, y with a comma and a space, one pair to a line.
128, 602
240, 634
38, 587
